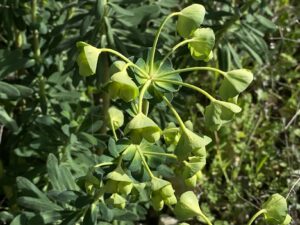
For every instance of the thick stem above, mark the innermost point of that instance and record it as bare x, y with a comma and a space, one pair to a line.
36, 43
211, 98
194, 69
142, 93
152, 56
262, 211
105, 95
144, 162
181, 123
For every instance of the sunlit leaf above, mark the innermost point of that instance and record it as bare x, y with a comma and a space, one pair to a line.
87, 59
235, 82
203, 43
189, 19
187, 206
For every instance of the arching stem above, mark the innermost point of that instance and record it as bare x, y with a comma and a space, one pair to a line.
181, 124
152, 55
194, 69
262, 211
211, 98
142, 93
130, 63
144, 162
184, 42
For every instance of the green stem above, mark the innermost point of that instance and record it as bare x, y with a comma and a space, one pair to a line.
262, 211
211, 98
181, 124
152, 56
103, 164
124, 58
174, 49
160, 154
194, 69
142, 93
113, 130
144, 162
201, 214
36, 44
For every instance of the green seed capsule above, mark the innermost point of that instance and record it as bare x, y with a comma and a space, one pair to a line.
117, 201
199, 176
171, 200
167, 191
157, 202
191, 182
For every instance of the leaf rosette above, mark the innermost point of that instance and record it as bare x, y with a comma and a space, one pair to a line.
159, 73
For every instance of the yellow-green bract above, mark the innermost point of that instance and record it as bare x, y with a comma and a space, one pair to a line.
189, 19
87, 58
141, 127
202, 44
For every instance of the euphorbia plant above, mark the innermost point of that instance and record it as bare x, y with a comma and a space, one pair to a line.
139, 149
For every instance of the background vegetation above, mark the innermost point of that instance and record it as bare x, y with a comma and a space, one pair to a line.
47, 108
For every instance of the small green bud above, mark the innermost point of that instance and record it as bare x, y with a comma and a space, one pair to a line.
199, 176
117, 201
167, 191
125, 187
116, 116
170, 200
157, 202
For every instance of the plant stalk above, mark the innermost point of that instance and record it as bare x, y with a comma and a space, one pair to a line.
145, 163
142, 93
211, 98
181, 123
262, 211
125, 59
194, 69
152, 56
184, 42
